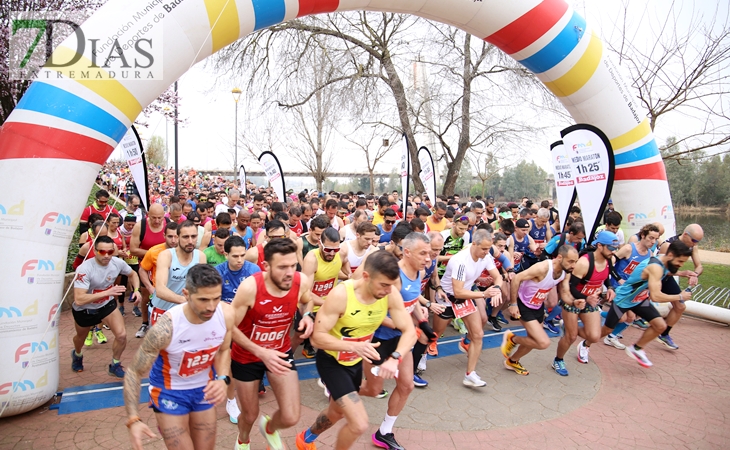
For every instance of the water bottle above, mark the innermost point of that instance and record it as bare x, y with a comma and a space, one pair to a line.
375, 370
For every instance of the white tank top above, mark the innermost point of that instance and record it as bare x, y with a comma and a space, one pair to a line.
352, 258
533, 294
349, 234
187, 362
335, 224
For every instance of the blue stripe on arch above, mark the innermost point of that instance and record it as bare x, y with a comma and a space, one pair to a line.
640, 153
268, 12
47, 99
557, 49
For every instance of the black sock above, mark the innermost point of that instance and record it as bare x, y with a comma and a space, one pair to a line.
146, 323
418, 351
558, 359
636, 347
666, 332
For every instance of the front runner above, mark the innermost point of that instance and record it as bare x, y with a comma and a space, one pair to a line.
265, 304
190, 348
345, 325
529, 290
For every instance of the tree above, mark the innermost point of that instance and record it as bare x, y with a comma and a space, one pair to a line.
156, 152
526, 179
368, 140
681, 174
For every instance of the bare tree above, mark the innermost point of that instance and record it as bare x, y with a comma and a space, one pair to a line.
370, 141
681, 72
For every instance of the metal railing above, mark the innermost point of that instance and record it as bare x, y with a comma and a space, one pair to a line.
713, 296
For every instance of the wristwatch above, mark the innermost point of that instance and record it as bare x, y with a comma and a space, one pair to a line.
225, 378
395, 355
428, 303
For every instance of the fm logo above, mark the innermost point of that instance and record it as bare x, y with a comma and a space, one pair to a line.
23, 385
14, 210
42, 264
32, 347
667, 210
54, 217
579, 146
52, 312
11, 311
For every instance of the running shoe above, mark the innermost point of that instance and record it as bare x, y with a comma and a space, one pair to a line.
668, 342
639, 356
386, 441
121, 310
459, 325
516, 366
77, 362
262, 387
463, 346
473, 379
242, 446
273, 439
550, 327
433, 349
304, 445
508, 346
501, 319
382, 394
105, 326
559, 368
142, 331
418, 381
308, 351
116, 370
514, 319
613, 342
496, 326
422, 363
320, 383
232, 410
89, 341
641, 323
582, 352
100, 337
136, 312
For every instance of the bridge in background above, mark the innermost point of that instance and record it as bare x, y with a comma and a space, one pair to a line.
230, 173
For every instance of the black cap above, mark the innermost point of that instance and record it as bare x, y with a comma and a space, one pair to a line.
522, 223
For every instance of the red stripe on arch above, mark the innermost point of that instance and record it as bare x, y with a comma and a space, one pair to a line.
653, 171
529, 27
307, 7
20, 140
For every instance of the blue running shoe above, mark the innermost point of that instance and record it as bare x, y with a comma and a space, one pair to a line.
136, 312
116, 370
418, 381
668, 342
550, 327
501, 319
559, 368
77, 362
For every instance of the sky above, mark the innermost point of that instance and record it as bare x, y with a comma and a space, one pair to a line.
206, 140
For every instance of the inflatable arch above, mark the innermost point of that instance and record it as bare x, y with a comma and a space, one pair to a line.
64, 128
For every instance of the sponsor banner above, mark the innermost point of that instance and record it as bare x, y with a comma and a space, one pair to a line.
644, 209
564, 182
428, 172
274, 174
242, 179
131, 148
592, 164
405, 170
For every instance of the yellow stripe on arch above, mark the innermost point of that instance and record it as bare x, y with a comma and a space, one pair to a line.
97, 80
223, 19
632, 136
581, 72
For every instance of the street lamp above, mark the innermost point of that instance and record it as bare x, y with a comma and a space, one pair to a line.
236, 96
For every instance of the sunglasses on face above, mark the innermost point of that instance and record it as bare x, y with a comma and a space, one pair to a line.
330, 250
694, 241
105, 252
278, 236
390, 222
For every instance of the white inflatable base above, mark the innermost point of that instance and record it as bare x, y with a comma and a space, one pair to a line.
714, 313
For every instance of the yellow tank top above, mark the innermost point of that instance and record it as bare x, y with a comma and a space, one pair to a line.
358, 324
326, 276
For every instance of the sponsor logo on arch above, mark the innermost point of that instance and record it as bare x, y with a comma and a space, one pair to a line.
24, 385
58, 225
11, 215
24, 354
43, 271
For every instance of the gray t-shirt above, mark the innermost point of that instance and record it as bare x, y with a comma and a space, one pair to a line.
96, 278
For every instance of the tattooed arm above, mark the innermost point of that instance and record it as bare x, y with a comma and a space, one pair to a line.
215, 390
157, 338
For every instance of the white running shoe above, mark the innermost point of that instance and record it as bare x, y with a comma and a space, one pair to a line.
473, 380
639, 356
583, 352
613, 342
320, 383
142, 331
232, 410
422, 363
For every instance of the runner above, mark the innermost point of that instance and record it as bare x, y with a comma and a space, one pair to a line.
265, 304
587, 279
330, 209
126, 231
188, 350
94, 292
522, 246
437, 221
359, 247
100, 206
242, 227
644, 286
148, 266
310, 240
431, 288
275, 229
529, 291
216, 254
344, 328
461, 273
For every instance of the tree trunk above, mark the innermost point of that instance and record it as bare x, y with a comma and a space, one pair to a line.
372, 180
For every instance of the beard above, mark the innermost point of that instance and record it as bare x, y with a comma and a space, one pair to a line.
672, 267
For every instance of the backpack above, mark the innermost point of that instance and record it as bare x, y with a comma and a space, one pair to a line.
143, 226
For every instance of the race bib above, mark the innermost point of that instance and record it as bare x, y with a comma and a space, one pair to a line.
539, 297
352, 356
192, 363
410, 306
102, 300
643, 295
590, 289
463, 309
155, 315
269, 337
322, 288
517, 257
628, 270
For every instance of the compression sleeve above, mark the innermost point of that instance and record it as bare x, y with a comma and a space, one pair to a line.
574, 291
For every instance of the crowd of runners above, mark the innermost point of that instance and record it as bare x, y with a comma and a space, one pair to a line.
233, 284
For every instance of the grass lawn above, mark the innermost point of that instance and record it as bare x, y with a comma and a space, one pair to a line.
713, 275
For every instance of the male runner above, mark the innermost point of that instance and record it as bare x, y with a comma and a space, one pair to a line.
359, 247
233, 272
275, 229
437, 221
94, 292
100, 206
242, 227
522, 246
216, 254
590, 274
643, 286
529, 290
343, 330
148, 265
310, 240
265, 304
461, 272
189, 352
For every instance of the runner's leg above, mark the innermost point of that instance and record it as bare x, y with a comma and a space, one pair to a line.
203, 429
175, 430
247, 393
116, 324
536, 339
286, 391
474, 325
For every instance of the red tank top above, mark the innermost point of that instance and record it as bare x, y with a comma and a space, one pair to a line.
151, 238
260, 261
268, 321
594, 285
119, 240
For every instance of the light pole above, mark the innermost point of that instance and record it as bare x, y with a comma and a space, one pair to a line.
236, 96
177, 177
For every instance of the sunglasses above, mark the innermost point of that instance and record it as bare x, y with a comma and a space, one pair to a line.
279, 236
463, 219
330, 250
611, 248
102, 202
694, 241
105, 252
391, 222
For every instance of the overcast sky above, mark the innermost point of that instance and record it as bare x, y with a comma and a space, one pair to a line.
207, 138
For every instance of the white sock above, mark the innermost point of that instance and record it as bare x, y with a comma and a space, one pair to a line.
387, 425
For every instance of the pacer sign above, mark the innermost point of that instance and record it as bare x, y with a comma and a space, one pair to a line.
564, 182
592, 164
